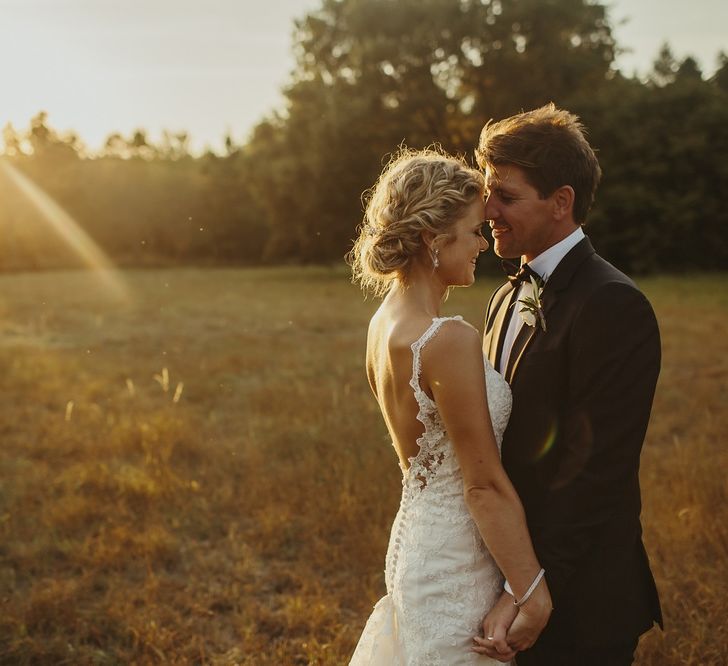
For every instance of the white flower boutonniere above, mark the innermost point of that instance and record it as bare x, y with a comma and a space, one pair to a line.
531, 310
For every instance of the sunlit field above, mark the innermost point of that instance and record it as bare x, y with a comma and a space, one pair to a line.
198, 474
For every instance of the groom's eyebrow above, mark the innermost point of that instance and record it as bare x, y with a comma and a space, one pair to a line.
494, 182
498, 187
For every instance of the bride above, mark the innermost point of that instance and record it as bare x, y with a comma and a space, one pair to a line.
460, 522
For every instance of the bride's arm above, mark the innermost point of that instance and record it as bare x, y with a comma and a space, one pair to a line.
453, 369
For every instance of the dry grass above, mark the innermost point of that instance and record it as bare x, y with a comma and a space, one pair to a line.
246, 522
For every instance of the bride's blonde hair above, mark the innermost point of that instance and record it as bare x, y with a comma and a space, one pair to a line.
419, 190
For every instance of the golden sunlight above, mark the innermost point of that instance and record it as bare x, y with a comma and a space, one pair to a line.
68, 230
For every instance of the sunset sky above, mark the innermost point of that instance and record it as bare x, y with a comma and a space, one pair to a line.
99, 66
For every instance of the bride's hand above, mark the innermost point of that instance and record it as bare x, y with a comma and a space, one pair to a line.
531, 620
495, 627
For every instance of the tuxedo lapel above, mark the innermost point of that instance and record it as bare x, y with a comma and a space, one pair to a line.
499, 326
524, 337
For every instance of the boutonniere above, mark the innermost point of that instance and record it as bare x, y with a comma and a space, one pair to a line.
531, 310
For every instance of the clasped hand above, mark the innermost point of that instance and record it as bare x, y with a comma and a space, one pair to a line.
509, 629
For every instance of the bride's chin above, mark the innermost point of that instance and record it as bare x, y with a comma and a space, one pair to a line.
463, 282
465, 279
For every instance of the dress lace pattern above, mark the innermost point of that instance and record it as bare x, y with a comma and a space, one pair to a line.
440, 578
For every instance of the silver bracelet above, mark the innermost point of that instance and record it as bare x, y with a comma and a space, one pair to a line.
507, 587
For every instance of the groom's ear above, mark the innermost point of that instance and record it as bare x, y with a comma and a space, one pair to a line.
563, 202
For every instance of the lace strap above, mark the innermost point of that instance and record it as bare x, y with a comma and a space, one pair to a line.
417, 346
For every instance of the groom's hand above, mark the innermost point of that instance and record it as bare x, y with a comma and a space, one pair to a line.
495, 628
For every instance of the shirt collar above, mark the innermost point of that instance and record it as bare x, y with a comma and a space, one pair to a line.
546, 262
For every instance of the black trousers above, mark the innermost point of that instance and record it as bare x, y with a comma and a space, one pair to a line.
621, 654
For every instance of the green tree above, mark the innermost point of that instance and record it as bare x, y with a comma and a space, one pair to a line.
536, 51
720, 78
660, 204
371, 74
664, 68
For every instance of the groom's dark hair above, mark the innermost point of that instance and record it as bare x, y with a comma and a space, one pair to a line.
550, 146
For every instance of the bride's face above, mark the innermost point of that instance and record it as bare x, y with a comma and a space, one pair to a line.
458, 256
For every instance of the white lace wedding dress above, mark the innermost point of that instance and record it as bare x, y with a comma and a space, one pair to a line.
440, 578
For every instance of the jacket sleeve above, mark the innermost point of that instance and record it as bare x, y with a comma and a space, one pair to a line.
613, 361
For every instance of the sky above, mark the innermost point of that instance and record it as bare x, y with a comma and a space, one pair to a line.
210, 67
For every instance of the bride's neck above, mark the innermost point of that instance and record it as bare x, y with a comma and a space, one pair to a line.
422, 291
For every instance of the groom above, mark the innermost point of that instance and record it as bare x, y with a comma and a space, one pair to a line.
580, 347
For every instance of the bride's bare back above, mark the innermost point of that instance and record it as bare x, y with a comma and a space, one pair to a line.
392, 330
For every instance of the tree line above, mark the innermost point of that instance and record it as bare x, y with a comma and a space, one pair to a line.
369, 76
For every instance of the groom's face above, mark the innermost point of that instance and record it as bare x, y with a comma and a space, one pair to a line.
520, 219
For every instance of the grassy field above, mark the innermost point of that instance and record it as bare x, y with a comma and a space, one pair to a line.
198, 474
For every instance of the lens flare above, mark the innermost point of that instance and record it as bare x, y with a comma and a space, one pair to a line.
547, 444
68, 230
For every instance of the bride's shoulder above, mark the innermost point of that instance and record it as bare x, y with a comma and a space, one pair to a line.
456, 327
454, 336
453, 353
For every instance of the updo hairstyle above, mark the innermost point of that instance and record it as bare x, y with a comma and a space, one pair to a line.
419, 190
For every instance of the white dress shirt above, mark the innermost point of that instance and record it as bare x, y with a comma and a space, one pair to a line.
544, 264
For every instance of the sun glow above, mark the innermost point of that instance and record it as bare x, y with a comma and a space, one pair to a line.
68, 230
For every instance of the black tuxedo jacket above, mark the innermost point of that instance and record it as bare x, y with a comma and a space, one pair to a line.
582, 394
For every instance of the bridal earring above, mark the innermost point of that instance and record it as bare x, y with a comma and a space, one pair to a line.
435, 259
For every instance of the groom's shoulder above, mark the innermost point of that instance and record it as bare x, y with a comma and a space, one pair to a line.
599, 271
606, 287
585, 268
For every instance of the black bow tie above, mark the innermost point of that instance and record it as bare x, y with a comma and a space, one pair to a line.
517, 274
